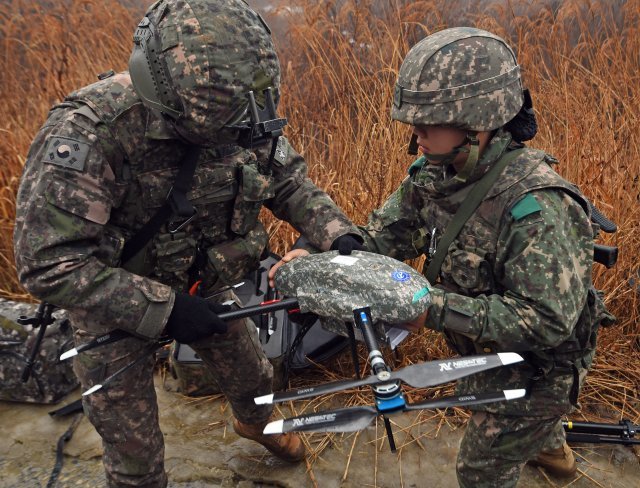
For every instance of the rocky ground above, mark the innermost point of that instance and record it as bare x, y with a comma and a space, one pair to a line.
203, 451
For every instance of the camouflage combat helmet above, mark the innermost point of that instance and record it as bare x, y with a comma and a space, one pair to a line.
196, 60
462, 77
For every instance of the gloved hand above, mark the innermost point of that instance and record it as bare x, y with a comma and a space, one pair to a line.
193, 318
346, 244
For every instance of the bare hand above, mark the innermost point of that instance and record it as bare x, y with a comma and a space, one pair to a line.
290, 256
416, 325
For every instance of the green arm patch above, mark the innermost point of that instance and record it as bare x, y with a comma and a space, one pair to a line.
420, 294
417, 165
524, 207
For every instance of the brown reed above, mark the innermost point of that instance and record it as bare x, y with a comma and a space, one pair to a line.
47, 49
580, 61
339, 62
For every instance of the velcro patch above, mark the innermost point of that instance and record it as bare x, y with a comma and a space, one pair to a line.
282, 150
66, 152
524, 207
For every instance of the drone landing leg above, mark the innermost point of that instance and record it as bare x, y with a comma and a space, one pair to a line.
387, 426
389, 396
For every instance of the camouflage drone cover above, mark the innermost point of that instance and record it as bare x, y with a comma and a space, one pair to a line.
332, 285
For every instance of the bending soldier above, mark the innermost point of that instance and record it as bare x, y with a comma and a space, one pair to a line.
107, 159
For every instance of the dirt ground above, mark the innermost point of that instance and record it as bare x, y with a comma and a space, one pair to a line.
203, 451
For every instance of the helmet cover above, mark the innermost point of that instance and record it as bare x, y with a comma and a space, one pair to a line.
461, 77
196, 60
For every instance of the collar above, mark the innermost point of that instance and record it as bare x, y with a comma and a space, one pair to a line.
439, 182
158, 128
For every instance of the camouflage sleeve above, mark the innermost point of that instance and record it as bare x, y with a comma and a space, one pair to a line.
395, 229
66, 194
544, 265
301, 203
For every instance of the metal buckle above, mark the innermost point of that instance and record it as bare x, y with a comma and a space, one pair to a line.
174, 210
433, 244
173, 230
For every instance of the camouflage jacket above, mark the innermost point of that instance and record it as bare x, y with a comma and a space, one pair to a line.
517, 276
101, 166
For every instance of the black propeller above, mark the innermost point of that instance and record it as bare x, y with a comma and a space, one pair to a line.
417, 375
357, 418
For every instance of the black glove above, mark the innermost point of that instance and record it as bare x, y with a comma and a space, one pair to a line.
193, 318
346, 244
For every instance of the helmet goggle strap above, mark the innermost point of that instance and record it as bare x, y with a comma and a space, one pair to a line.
403, 95
240, 117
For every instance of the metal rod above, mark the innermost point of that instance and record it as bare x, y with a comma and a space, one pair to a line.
285, 303
42, 320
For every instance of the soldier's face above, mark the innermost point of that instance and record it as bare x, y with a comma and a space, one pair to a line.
439, 140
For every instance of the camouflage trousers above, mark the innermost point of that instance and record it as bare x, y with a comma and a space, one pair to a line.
496, 447
126, 413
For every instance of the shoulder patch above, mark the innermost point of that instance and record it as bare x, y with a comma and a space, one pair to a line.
66, 152
282, 150
526, 206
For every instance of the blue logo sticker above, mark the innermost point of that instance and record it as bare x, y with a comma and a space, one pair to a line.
401, 276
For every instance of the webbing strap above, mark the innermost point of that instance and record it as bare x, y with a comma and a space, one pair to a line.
66, 437
466, 210
176, 204
472, 158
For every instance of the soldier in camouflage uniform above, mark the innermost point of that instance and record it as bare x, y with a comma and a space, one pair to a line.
517, 277
101, 166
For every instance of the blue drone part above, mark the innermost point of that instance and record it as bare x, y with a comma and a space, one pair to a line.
393, 404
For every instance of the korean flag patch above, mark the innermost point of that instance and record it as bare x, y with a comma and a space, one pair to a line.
66, 152
282, 150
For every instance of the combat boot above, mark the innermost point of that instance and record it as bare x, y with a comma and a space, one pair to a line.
558, 462
288, 447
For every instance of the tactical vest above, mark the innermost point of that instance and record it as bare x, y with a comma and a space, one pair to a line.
223, 241
470, 263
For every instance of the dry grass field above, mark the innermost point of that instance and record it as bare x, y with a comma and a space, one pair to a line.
581, 60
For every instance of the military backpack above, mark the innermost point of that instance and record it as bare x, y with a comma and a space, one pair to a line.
50, 380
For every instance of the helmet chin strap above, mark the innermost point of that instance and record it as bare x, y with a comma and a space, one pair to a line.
471, 140
472, 158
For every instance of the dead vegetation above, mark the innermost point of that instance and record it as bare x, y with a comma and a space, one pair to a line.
339, 62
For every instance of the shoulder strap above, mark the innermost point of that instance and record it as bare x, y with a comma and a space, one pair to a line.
176, 204
466, 210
